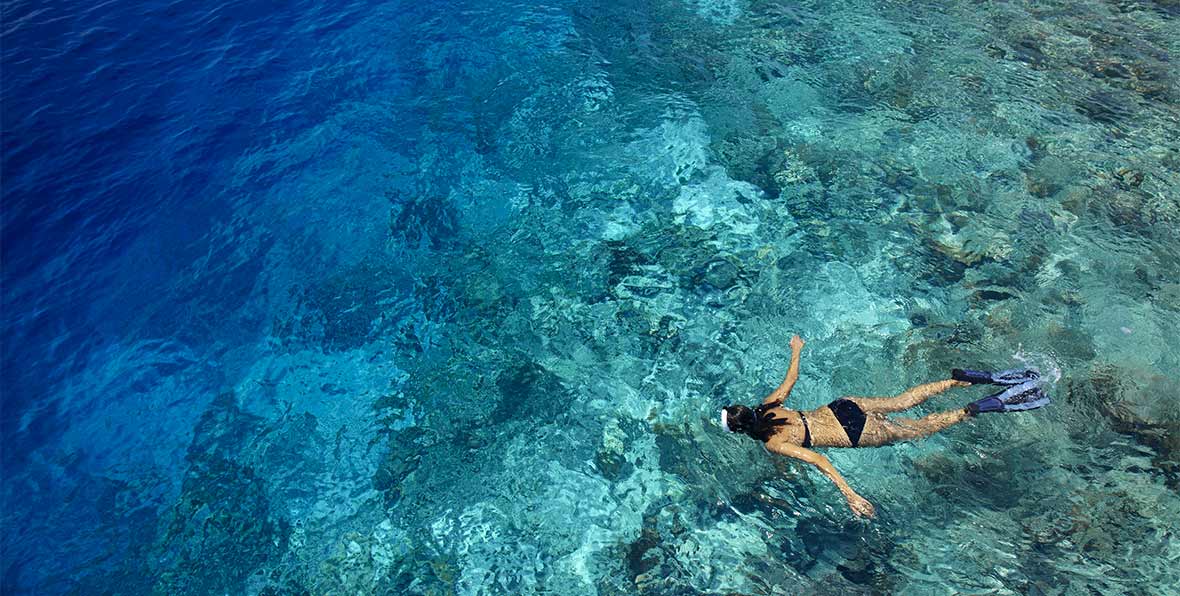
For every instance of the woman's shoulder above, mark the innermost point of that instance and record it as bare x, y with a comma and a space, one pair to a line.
776, 412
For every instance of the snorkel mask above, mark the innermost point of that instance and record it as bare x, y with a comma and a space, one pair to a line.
725, 420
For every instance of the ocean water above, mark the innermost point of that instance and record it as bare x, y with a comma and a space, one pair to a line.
436, 298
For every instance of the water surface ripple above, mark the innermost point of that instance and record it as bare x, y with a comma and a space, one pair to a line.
443, 298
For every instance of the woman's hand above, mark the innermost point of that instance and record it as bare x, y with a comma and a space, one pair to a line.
797, 343
860, 506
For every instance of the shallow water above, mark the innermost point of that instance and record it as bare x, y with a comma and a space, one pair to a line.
443, 299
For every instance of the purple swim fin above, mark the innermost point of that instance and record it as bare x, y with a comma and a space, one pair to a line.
1026, 396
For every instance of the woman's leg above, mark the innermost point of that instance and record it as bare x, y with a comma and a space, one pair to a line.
908, 399
882, 431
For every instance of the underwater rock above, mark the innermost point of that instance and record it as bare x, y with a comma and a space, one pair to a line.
759, 501
1096, 521
643, 554
717, 201
1070, 341
795, 166
363, 563
484, 291
643, 286
993, 295
612, 466
1126, 209
222, 528
403, 459
1035, 222
651, 556
1036, 148
423, 222
720, 274
1167, 295
527, 388
673, 450
940, 471
1105, 107
623, 261
1128, 178
654, 333
1025, 49
642, 269
610, 459
1028, 51
676, 535
972, 244
1135, 410
1047, 175
753, 157
288, 587
722, 281
690, 255
1041, 187
343, 311
1108, 68
993, 479
830, 540
864, 571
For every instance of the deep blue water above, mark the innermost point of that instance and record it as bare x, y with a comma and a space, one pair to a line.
433, 298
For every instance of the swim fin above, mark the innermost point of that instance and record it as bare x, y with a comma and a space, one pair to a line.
1015, 376
1026, 396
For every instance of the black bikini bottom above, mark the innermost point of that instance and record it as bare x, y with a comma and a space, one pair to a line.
851, 417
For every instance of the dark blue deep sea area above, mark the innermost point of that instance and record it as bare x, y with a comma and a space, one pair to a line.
443, 298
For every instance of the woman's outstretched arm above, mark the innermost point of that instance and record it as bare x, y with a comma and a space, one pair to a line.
858, 504
784, 389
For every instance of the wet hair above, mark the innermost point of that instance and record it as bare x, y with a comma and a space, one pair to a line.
756, 423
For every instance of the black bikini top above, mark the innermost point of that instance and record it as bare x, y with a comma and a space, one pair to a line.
806, 431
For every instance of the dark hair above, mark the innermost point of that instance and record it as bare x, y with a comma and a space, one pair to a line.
755, 423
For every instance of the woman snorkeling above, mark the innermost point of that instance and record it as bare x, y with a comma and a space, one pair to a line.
861, 421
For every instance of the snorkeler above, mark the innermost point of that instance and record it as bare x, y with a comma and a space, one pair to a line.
861, 421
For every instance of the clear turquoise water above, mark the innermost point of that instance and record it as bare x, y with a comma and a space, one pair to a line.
445, 299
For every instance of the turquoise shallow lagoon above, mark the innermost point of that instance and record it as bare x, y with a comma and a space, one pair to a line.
374, 298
